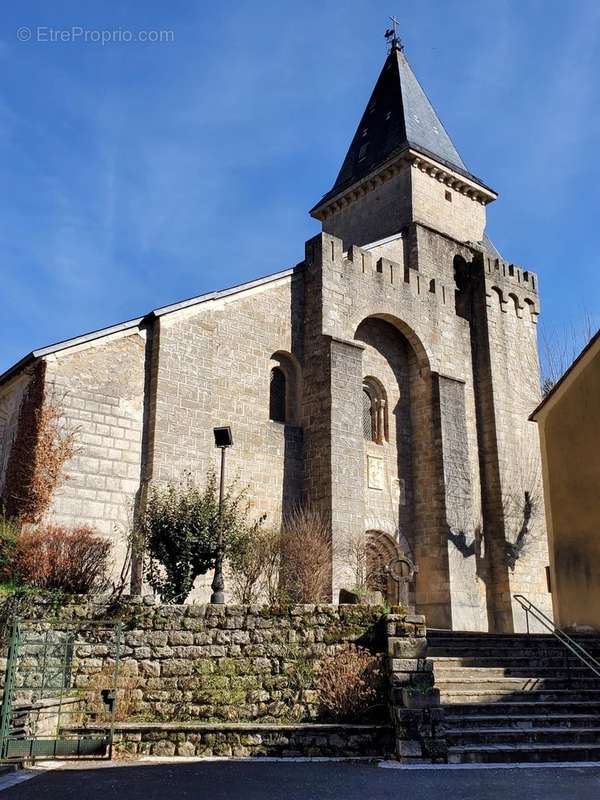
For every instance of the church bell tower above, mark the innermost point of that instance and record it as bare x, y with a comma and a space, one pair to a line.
402, 167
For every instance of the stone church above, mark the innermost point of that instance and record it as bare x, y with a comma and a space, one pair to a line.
387, 379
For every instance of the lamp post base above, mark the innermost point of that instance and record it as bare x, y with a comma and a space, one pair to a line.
217, 598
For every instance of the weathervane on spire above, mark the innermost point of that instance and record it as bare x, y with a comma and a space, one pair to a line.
391, 34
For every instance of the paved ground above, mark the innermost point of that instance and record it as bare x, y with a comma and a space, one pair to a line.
303, 781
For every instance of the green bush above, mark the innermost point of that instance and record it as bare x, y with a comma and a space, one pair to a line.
180, 528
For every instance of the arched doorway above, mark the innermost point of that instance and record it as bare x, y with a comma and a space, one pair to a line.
381, 550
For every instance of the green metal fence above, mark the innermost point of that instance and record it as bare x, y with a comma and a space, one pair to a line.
39, 691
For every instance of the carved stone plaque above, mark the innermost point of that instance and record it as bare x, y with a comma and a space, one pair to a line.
375, 473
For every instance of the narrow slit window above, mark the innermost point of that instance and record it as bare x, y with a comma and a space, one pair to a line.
368, 416
277, 395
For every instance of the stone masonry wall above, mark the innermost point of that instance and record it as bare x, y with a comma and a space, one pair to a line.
411, 194
437, 205
210, 662
212, 367
249, 740
416, 297
512, 307
11, 396
210, 665
102, 390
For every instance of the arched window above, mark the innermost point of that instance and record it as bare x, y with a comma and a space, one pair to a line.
532, 309
277, 395
499, 298
368, 415
516, 304
374, 411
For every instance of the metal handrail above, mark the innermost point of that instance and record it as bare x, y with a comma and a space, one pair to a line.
580, 652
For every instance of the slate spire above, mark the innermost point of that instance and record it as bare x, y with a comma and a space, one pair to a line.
398, 116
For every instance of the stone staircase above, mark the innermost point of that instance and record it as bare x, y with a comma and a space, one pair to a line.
516, 697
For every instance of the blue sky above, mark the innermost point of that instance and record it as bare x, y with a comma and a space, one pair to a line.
138, 174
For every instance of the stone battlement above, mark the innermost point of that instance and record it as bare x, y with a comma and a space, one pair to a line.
398, 275
512, 274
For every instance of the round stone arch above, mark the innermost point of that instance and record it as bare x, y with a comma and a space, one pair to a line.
387, 529
415, 465
381, 549
292, 372
409, 334
422, 357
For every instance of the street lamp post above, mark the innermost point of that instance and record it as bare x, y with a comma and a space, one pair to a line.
223, 440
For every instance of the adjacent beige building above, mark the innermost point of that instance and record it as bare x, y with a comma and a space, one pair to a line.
569, 426
387, 378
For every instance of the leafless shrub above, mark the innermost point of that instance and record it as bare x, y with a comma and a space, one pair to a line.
353, 553
43, 446
253, 563
271, 555
306, 556
73, 560
365, 564
351, 684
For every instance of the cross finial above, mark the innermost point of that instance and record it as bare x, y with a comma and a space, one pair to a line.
392, 37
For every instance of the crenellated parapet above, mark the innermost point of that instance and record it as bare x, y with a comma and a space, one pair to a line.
513, 288
389, 274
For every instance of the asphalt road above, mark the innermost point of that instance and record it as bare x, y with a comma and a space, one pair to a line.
303, 781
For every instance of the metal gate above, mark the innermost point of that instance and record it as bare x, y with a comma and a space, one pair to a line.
40, 691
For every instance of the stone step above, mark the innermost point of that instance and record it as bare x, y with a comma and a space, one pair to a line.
487, 651
551, 662
445, 673
514, 753
508, 684
499, 647
517, 708
538, 735
469, 695
509, 639
583, 639
515, 697
475, 722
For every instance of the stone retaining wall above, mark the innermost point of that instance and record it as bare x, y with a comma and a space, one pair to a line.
248, 740
205, 662
232, 664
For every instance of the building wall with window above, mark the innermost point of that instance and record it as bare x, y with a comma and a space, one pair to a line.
437, 463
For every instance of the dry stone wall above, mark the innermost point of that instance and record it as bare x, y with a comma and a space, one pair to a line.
188, 675
212, 662
250, 740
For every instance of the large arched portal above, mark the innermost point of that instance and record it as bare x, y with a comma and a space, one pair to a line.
390, 366
403, 468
